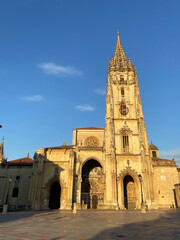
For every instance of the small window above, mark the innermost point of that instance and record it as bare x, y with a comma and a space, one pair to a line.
122, 92
121, 79
18, 178
15, 192
154, 154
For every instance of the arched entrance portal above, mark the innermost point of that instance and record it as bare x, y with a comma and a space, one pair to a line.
129, 192
92, 186
55, 195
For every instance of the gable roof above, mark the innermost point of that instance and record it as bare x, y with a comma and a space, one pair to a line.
161, 159
21, 161
61, 147
89, 128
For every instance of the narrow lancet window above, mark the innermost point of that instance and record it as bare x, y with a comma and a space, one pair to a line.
125, 143
122, 92
15, 192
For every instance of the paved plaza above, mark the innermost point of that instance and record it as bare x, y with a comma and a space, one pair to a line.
91, 224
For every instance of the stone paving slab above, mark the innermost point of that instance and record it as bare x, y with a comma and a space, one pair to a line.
91, 225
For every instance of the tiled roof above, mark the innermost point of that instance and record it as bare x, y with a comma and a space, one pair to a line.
21, 161
161, 159
153, 147
90, 128
61, 147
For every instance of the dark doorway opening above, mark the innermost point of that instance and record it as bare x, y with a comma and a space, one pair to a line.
91, 186
55, 195
129, 192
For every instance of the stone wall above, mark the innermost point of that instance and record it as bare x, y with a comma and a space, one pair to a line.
165, 177
21, 179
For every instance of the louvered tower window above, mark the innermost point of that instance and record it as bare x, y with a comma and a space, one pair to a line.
154, 155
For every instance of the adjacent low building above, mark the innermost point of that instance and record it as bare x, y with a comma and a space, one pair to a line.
15, 179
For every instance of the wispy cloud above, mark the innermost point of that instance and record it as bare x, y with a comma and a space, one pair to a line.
171, 154
85, 108
100, 91
59, 70
33, 98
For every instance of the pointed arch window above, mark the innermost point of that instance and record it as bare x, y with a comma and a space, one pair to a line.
125, 142
122, 92
122, 78
15, 192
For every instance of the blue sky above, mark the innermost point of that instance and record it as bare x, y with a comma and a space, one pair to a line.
53, 67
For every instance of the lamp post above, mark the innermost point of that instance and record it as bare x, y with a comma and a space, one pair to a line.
5, 206
140, 179
143, 207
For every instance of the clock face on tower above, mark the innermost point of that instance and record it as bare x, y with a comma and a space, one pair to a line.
124, 110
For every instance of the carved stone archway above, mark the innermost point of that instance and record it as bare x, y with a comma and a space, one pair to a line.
55, 196
47, 191
93, 183
128, 181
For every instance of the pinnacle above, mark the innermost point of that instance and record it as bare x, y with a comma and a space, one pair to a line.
2, 148
130, 63
2, 141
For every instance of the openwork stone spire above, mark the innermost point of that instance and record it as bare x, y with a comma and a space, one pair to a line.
119, 56
119, 62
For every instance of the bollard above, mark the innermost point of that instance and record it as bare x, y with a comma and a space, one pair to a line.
5, 208
143, 208
74, 207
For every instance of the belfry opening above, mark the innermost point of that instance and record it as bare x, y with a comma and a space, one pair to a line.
92, 186
129, 192
55, 196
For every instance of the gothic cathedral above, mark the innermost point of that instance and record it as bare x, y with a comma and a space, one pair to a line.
107, 168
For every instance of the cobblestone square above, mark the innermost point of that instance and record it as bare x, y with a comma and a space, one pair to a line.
91, 224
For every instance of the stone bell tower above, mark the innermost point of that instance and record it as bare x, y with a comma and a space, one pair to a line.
126, 141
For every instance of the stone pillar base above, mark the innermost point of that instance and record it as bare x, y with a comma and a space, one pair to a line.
74, 207
143, 208
117, 207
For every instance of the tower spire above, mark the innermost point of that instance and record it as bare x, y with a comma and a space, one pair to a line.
119, 56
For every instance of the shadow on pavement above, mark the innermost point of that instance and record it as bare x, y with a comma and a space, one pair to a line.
13, 216
164, 227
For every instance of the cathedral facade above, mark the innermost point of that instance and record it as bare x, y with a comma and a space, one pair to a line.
113, 167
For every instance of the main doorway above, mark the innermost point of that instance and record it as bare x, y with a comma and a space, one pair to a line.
129, 192
55, 196
92, 186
